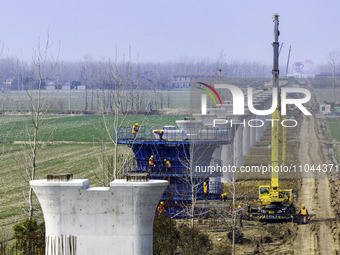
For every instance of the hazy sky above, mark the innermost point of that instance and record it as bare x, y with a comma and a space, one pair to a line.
162, 30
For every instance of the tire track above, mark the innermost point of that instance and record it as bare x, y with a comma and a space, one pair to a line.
314, 238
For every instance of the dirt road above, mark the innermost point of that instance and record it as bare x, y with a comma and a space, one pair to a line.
316, 237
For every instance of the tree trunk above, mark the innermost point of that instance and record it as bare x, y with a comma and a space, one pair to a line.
116, 126
85, 108
193, 203
234, 215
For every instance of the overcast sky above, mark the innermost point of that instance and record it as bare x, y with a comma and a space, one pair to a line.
170, 30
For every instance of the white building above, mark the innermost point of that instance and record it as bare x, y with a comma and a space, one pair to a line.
324, 108
50, 85
66, 86
182, 80
81, 87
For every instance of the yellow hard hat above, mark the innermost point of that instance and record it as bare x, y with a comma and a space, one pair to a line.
204, 183
151, 156
239, 207
303, 205
164, 160
136, 124
162, 202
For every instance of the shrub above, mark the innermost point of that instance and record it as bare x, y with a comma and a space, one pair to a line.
30, 236
223, 249
165, 235
193, 241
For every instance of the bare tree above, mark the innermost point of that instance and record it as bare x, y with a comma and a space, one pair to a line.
121, 91
231, 212
195, 156
42, 67
332, 63
85, 78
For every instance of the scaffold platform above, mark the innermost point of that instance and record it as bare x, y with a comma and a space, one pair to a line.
182, 148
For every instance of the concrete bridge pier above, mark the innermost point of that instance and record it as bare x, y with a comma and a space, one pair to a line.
102, 220
227, 159
247, 133
238, 145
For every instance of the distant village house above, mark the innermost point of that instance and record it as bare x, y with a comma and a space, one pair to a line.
325, 108
182, 80
50, 85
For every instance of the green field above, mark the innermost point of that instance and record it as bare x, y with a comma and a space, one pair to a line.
75, 147
334, 126
97, 100
76, 128
75, 143
80, 159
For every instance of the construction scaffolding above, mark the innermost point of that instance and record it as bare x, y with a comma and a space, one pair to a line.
186, 149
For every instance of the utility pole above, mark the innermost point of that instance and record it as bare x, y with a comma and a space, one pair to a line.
276, 113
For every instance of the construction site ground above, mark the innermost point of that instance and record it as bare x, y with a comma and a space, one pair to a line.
306, 144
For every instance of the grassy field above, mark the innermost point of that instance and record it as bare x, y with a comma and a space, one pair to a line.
80, 159
79, 153
329, 95
334, 126
74, 141
74, 100
76, 128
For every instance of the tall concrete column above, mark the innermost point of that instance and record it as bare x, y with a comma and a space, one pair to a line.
252, 135
238, 146
259, 128
217, 154
246, 132
227, 161
246, 140
263, 126
255, 131
225, 154
269, 116
106, 220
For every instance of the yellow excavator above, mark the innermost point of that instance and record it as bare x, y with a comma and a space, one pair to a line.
275, 204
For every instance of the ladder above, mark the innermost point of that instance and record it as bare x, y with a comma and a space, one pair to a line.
156, 155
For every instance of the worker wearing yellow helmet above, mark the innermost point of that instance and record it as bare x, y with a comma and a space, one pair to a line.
135, 129
205, 190
303, 211
168, 165
161, 208
223, 197
304, 214
240, 215
160, 133
151, 163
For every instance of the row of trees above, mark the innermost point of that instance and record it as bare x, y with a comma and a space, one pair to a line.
95, 74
